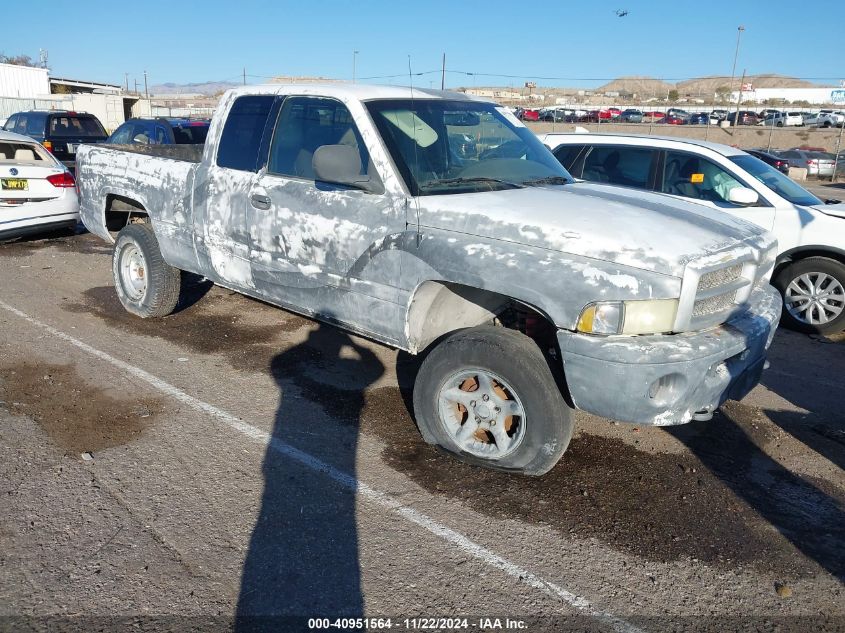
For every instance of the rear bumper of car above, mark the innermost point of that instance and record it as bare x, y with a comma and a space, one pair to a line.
667, 379
34, 217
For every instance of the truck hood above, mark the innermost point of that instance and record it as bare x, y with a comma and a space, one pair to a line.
632, 228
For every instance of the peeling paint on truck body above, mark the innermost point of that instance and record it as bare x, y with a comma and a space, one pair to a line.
367, 261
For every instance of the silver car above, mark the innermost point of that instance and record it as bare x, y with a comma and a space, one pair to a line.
816, 163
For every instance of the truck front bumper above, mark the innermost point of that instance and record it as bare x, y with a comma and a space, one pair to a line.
667, 379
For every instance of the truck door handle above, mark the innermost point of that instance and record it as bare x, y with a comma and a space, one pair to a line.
260, 202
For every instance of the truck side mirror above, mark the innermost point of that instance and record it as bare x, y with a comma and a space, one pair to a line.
341, 165
743, 196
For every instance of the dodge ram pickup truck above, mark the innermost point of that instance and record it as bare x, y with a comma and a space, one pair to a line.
439, 224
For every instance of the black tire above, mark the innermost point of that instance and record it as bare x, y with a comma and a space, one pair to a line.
157, 291
540, 437
812, 266
780, 123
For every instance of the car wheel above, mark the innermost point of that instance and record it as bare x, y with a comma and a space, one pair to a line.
813, 291
780, 123
146, 285
826, 124
487, 395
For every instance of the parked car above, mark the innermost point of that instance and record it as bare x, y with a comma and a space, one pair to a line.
671, 119
557, 115
632, 115
312, 201
699, 118
783, 119
815, 162
719, 115
781, 164
160, 131
677, 112
825, 118
597, 116
58, 131
653, 115
767, 112
746, 117
615, 113
810, 265
37, 192
525, 114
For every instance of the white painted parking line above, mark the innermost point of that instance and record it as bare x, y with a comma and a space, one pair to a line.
344, 480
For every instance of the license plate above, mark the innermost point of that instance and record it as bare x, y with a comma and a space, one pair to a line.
71, 149
14, 184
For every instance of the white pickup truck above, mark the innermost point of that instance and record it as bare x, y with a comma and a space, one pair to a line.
439, 224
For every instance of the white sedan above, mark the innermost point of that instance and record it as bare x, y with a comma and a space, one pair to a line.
37, 193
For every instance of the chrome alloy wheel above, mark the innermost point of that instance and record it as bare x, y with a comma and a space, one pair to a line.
482, 413
815, 298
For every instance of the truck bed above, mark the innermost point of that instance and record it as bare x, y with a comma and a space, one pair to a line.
189, 153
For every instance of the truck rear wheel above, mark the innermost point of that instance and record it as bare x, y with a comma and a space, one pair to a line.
487, 395
146, 285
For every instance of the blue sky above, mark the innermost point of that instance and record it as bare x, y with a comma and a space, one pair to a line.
214, 40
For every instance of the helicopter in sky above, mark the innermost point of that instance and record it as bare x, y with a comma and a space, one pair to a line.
621, 13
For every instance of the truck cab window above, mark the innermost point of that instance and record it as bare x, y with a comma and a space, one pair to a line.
241, 137
304, 124
697, 178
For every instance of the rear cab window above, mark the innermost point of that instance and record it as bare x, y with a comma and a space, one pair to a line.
240, 141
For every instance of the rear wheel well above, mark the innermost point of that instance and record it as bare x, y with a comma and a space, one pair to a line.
121, 211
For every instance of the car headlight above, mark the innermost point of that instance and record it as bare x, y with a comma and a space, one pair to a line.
650, 316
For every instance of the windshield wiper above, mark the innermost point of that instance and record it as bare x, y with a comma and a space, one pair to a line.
464, 181
548, 180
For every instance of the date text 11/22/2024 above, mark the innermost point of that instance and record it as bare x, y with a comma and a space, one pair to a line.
418, 624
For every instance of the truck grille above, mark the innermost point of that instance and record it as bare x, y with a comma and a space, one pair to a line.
712, 305
719, 277
714, 287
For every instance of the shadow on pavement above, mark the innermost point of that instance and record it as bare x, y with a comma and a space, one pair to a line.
808, 517
303, 554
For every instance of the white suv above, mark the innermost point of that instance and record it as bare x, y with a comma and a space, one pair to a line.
783, 119
810, 269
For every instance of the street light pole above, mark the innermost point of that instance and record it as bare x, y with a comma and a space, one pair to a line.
354, 59
739, 31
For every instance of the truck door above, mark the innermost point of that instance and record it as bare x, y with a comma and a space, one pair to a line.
323, 248
222, 190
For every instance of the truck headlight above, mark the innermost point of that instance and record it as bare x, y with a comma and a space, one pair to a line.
628, 317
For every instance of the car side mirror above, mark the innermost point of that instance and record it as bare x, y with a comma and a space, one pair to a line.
341, 165
743, 195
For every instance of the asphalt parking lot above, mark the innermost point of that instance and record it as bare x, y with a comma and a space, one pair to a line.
235, 459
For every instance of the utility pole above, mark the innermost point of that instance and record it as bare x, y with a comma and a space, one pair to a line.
838, 150
146, 91
244, 75
126, 81
739, 31
136, 86
443, 74
739, 98
354, 60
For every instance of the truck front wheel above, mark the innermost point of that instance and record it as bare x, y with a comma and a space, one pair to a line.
146, 285
487, 395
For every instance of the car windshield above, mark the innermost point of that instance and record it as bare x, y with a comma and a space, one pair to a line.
446, 147
782, 185
75, 126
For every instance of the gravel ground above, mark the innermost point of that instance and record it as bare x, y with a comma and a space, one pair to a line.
140, 486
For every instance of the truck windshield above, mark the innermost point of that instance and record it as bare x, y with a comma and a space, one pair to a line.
445, 147
782, 185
